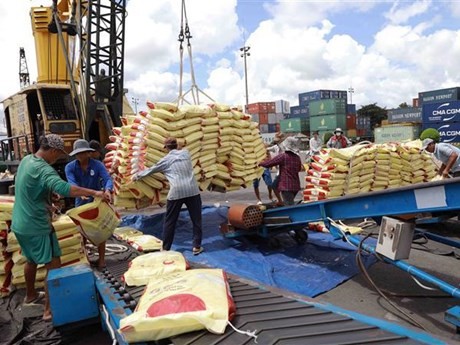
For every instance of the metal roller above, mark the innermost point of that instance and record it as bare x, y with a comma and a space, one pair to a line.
245, 216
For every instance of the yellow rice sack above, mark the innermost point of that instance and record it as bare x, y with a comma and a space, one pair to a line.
179, 303
96, 220
144, 267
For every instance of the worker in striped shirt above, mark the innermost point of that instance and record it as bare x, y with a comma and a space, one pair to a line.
183, 189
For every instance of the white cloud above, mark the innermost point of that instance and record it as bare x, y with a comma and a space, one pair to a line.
401, 13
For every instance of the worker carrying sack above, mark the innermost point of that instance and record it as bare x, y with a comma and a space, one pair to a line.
96, 220
178, 303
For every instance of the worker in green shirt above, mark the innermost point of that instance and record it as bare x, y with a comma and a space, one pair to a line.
36, 181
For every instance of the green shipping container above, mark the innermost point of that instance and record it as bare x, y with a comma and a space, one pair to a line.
295, 125
328, 122
396, 133
328, 106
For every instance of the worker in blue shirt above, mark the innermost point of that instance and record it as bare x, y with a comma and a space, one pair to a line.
447, 154
89, 173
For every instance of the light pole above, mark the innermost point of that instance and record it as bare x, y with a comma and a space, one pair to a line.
135, 102
351, 91
244, 55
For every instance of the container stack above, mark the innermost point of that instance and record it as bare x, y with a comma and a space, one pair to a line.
441, 110
323, 111
268, 115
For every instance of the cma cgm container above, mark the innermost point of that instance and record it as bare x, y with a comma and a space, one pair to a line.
396, 133
300, 111
450, 132
328, 106
441, 112
327, 122
436, 96
296, 125
404, 115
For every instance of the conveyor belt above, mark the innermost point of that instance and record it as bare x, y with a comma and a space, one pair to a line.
278, 319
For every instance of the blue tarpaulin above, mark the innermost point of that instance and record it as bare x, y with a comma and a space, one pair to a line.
309, 269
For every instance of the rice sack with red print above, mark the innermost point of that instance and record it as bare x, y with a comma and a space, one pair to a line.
179, 303
96, 220
145, 267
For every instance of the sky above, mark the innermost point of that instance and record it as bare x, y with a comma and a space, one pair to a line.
387, 51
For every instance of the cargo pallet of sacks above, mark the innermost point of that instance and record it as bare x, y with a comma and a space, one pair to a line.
11, 260
225, 146
366, 168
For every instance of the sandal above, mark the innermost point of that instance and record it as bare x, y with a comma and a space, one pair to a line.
197, 250
47, 318
40, 296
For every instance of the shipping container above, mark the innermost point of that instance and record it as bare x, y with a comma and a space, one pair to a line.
282, 107
260, 107
450, 132
263, 128
271, 107
306, 97
255, 117
294, 125
351, 121
299, 110
343, 94
327, 122
272, 128
441, 112
396, 133
351, 108
441, 95
268, 138
328, 106
363, 122
364, 133
278, 127
263, 118
415, 103
351, 133
404, 115
295, 110
271, 118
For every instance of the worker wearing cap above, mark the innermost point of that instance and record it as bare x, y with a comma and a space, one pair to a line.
447, 154
183, 189
90, 173
36, 181
338, 140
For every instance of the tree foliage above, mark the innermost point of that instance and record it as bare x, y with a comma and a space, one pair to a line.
375, 113
403, 105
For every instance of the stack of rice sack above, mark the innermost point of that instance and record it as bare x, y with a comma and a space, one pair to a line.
69, 241
225, 146
362, 169
6, 262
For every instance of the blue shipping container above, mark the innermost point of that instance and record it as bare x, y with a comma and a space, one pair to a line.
450, 132
436, 96
271, 128
405, 115
441, 112
351, 108
295, 110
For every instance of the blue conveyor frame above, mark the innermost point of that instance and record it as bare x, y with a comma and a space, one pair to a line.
440, 196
